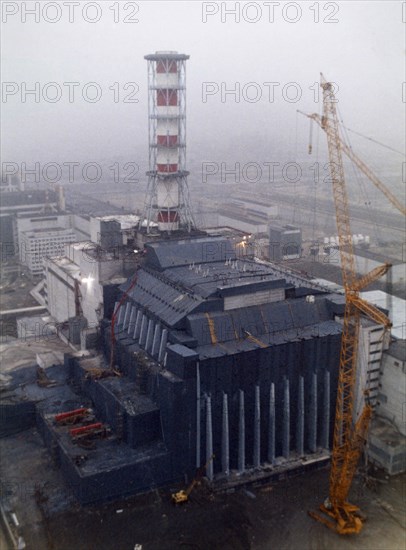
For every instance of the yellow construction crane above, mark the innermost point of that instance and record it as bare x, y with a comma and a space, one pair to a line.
183, 495
349, 431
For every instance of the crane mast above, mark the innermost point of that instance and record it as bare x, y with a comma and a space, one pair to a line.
349, 431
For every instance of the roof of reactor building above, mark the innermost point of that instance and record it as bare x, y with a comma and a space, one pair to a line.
182, 281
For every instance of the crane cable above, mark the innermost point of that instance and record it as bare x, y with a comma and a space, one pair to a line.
374, 140
316, 174
295, 205
372, 214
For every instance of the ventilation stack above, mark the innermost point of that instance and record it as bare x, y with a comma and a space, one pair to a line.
167, 202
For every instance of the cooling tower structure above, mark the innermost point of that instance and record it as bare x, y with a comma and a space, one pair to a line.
167, 200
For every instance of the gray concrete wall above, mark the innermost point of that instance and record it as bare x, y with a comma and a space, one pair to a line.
392, 394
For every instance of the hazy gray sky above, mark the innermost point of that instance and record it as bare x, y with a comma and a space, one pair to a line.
363, 52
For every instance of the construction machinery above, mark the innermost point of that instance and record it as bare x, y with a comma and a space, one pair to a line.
72, 417
183, 495
97, 373
97, 429
350, 430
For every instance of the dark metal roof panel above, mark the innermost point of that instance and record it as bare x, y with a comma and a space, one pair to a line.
165, 301
163, 255
326, 328
259, 321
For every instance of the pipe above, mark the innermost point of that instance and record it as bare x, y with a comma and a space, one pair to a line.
69, 414
22, 310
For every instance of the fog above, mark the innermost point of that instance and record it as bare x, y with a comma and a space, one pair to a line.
363, 52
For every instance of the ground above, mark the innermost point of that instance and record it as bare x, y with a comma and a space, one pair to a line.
258, 518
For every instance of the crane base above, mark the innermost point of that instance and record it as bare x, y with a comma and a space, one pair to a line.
345, 520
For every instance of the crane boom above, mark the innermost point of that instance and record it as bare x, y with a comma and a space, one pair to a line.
349, 432
361, 165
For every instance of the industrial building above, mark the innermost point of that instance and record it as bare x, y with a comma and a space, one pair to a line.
38, 244
217, 355
85, 273
285, 242
255, 207
14, 202
386, 446
29, 221
238, 218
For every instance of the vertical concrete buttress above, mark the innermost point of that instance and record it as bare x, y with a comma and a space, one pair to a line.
225, 446
286, 420
143, 332
241, 434
118, 315
326, 411
126, 315
313, 415
271, 426
209, 440
197, 415
156, 340
162, 346
257, 429
137, 328
300, 418
121, 313
131, 324
150, 335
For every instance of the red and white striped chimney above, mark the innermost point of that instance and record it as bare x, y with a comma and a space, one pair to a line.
167, 148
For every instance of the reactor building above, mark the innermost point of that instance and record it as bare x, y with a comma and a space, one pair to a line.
215, 355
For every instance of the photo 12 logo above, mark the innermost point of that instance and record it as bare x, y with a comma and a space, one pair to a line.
70, 172
68, 92
265, 172
270, 12
71, 12
253, 92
